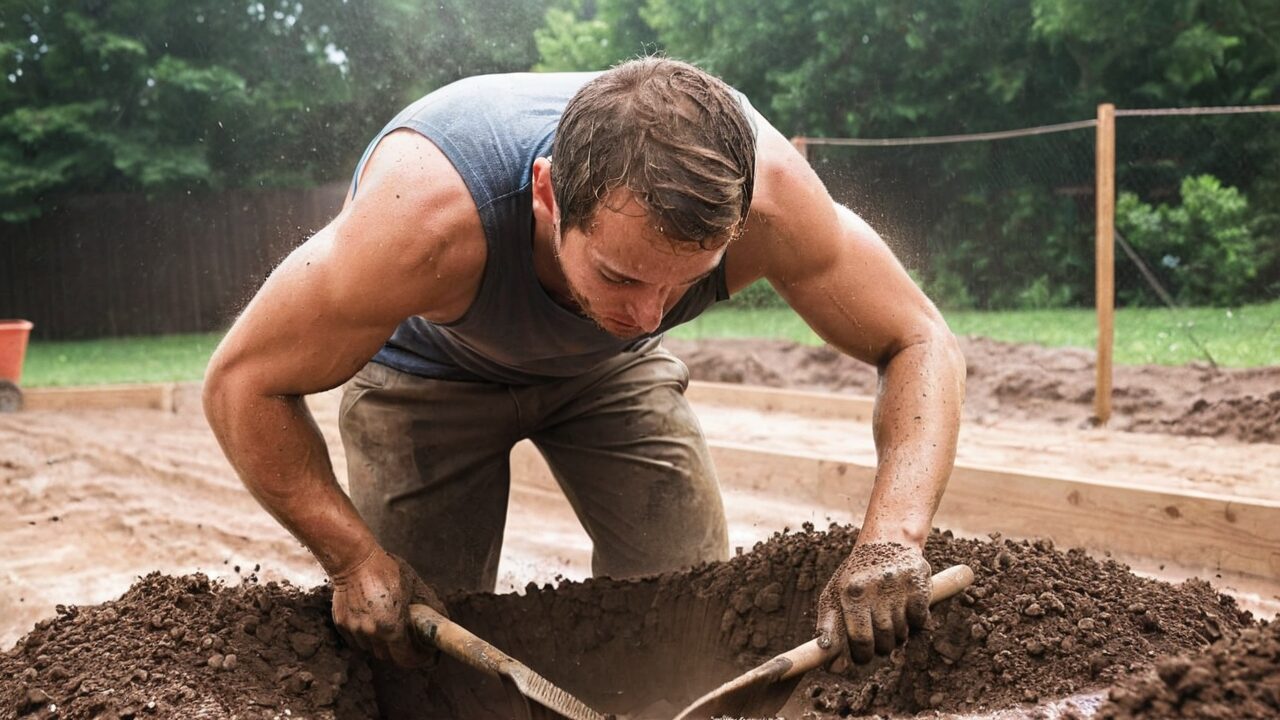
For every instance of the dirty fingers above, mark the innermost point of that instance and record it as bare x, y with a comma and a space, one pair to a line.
875, 598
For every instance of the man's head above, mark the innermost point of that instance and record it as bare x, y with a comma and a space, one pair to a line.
652, 172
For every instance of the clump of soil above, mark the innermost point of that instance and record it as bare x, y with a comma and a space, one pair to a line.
187, 647
1026, 382
1038, 623
1237, 677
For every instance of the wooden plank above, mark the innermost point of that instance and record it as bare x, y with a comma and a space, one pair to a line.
152, 396
800, 402
1199, 532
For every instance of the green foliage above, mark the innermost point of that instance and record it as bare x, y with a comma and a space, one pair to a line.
1207, 247
1013, 248
586, 35
169, 94
566, 43
759, 294
862, 68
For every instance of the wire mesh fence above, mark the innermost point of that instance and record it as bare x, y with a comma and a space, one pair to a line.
982, 223
1006, 220
1198, 206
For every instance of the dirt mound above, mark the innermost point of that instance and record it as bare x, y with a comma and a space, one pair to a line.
185, 647
1250, 418
1238, 677
1037, 623
1026, 382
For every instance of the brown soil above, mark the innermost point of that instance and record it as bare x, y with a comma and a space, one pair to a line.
1038, 623
186, 647
1238, 677
1026, 382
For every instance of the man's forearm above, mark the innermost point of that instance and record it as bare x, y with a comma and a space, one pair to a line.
274, 445
916, 425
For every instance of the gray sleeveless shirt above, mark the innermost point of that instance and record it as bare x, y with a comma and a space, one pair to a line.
491, 128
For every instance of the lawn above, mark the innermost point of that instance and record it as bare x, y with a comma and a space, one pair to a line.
1242, 337
119, 360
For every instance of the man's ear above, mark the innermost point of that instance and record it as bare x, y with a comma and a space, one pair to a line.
544, 194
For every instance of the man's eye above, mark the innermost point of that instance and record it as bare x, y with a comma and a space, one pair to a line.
616, 280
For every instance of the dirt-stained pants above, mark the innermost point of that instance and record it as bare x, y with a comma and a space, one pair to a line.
428, 466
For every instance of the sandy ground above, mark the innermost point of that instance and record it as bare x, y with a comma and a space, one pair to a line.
1024, 381
97, 498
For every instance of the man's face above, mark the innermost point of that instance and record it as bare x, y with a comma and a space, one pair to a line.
624, 272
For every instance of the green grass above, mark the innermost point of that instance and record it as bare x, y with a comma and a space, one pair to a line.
120, 360
1242, 337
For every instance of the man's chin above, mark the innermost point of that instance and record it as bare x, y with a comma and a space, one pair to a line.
622, 331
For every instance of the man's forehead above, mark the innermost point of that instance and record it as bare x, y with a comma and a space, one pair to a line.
621, 216
654, 260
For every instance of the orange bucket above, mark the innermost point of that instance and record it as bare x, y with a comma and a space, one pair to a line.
13, 348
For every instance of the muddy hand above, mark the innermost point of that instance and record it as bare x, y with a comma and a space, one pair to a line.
371, 608
877, 595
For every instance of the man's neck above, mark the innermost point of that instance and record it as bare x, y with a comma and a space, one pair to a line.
547, 267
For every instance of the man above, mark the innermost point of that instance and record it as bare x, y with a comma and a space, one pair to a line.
511, 251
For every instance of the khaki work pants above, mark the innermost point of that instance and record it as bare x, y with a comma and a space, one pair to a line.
428, 466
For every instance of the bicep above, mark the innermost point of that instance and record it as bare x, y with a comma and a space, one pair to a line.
308, 328
857, 296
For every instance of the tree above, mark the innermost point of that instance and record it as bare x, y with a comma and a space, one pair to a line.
170, 94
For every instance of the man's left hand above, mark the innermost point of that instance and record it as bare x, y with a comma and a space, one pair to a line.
875, 598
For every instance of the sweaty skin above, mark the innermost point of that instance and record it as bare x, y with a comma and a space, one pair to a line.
411, 243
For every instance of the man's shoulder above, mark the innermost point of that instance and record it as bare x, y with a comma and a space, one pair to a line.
410, 182
481, 93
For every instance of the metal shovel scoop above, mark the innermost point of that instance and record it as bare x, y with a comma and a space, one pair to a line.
763, 690
457, 642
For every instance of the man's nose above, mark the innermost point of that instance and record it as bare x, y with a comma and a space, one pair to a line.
646, 312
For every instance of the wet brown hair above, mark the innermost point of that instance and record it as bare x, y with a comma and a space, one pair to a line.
672, 134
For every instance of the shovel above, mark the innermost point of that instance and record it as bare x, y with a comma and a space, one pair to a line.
457, 642
764, 689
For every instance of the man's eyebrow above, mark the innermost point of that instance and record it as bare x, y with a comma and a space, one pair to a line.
623, 276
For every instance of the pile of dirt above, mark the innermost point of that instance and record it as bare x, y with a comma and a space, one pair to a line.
186, 647
1238, 677
1038, 623
1025, 382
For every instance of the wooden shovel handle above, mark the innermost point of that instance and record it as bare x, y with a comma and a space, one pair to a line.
810, 655
456, 641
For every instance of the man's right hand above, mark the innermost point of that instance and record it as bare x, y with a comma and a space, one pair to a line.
371, 608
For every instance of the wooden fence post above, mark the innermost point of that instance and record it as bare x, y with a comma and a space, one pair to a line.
801, 144
1105, 193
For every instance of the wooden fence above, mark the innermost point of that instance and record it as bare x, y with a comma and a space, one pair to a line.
124, 264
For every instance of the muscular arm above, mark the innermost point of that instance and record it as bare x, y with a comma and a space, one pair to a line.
318, 319
838, 274
841, 278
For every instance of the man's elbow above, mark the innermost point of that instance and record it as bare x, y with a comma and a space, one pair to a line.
950, 353
936, 348
217, 395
